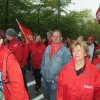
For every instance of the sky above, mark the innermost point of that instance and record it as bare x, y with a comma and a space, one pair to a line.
85, 4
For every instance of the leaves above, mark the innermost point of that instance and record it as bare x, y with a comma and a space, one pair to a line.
45, 13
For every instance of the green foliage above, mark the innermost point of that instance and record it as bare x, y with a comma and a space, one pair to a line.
45, 14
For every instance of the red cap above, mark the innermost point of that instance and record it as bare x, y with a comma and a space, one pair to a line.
90, 38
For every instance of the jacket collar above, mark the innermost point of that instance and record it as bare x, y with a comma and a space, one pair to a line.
13, 40
72, 63
1, 48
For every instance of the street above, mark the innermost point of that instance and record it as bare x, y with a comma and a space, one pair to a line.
31, 87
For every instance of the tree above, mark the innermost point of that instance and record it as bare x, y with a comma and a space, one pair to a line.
12, 9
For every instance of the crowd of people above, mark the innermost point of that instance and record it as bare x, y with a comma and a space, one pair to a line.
70, 69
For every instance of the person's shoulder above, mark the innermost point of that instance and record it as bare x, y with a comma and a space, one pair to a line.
64, 47
6, 52
43, 44
67, 67
48, 47
93, 68
47, 50
66, 50
16, 44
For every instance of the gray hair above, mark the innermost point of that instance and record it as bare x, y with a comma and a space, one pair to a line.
82, 44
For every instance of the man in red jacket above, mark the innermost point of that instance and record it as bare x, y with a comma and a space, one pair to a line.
13, 85
19, 49
38, 49
13, 45
25, 54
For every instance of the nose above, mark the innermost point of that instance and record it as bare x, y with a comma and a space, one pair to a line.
75, 53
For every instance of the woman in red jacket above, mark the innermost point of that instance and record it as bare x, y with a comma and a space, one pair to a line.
79, 79
13, 85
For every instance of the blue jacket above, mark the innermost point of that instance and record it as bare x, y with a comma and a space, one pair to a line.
51, 67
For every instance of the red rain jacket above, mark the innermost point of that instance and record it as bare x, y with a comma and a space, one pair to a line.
86, 86
25, 53
96, 60
16, 48
50, 42
37, 51
13, 84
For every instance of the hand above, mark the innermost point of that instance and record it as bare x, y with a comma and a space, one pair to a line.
27, 42
1, 42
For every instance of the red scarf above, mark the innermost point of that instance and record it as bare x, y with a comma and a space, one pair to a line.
50, 42
55, 48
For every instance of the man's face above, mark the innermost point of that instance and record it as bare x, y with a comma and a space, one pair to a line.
90, 42
9, 37
80, 38
56, 37
38, 39
49, 37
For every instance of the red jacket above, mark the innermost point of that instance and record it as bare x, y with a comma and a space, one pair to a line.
16, 48
96, 60
37, 51
86, 86
25, 53
50, 42
11, 73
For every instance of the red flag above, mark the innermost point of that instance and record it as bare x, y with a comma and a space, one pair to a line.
26, 32
98, 14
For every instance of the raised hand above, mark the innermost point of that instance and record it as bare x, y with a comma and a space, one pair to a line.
1, 42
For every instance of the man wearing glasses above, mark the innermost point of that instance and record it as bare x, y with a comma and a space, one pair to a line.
55, 57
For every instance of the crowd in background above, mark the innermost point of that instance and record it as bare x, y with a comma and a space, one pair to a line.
69, 68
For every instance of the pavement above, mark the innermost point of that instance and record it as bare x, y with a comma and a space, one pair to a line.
31, 87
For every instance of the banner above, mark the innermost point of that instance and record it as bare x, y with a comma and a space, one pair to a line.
98, 14
26, 32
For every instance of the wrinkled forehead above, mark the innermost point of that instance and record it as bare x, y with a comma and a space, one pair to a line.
49, 35
56, 34
77, 46
38, 37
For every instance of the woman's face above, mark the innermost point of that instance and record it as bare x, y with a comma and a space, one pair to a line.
78, 53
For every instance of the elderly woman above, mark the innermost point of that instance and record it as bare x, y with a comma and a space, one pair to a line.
79, 79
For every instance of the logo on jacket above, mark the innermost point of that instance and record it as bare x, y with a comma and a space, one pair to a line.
88, 86
15, 45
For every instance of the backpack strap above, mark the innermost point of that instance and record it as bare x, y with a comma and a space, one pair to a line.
5, 78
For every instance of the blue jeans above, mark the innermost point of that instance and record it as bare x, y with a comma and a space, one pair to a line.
49, 89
